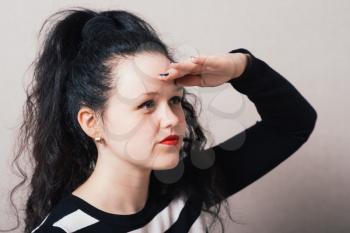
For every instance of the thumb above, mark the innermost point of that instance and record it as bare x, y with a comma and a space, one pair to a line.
200, 60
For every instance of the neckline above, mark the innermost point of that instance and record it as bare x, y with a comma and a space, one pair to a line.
135, 218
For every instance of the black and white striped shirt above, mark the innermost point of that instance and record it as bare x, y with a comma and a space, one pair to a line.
73, 214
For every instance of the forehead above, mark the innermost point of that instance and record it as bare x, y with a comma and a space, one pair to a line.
139, 74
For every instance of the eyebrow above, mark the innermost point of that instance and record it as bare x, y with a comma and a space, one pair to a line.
157, 93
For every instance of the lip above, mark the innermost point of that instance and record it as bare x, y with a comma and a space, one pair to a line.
170, 140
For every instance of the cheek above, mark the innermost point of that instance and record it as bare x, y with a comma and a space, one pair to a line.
124, 132
138, 144
182, 122
144, 135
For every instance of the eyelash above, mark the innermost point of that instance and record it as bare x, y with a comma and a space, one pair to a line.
178, 98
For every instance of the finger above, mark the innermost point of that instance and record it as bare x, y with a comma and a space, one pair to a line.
170, 74
189, 80
174, 73
185, 66
177, 70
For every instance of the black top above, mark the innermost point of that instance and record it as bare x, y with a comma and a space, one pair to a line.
287, 120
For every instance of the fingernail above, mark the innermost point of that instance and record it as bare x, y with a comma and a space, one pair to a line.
164, 74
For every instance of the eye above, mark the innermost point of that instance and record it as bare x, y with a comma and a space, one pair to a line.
150, 103
177, 99
146, 104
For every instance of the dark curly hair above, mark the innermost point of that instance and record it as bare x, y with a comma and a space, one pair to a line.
78, 44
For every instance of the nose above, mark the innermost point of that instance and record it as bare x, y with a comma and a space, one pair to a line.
168, 117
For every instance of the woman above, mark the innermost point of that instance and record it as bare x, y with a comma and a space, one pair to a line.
111, 124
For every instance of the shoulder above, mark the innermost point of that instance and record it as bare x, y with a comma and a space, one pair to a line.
61, 218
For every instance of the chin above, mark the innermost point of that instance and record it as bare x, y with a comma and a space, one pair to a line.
165, 162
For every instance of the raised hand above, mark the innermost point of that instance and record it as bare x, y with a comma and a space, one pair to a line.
207, 71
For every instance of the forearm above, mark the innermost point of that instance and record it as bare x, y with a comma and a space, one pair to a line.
278, 102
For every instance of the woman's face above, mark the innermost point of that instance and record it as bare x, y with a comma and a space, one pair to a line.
136, 122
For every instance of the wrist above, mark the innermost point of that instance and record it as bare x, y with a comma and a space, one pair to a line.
241, 64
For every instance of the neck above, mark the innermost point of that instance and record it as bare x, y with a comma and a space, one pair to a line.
115, 186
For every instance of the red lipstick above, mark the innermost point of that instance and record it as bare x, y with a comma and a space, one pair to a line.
170, 140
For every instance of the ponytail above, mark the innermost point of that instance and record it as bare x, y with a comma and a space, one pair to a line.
51, 145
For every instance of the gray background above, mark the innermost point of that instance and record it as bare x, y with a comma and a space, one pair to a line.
305, 41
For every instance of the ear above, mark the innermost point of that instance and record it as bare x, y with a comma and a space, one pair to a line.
88, 120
